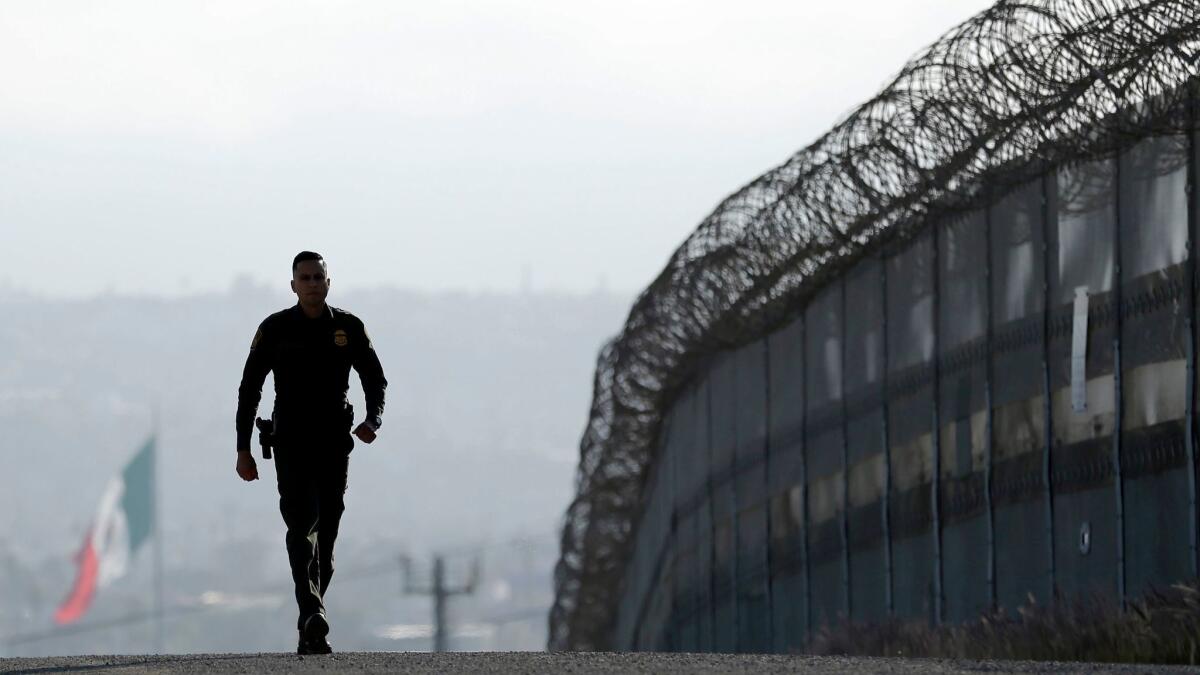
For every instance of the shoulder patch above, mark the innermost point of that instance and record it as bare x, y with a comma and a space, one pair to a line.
257, 338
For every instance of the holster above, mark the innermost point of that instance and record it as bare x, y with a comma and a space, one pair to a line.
266, 435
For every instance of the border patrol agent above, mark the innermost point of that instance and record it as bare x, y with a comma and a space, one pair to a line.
311, 348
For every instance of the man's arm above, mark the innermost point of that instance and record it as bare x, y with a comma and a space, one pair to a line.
258, 364
370, 373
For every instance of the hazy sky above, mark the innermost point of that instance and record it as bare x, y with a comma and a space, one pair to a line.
169, 147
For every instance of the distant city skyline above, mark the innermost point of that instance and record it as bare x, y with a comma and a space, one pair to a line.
169, 148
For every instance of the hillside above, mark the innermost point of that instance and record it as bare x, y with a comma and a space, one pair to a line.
487, 397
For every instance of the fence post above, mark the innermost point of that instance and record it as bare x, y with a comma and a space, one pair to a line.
887, 447
845, 524
1189, 294
1118, 399
712, 520
766, 346
804, 480
735, 600
935, 482
987, 398
1049, 181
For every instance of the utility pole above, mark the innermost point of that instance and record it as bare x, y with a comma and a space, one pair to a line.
156, 495
13, 606
440, 593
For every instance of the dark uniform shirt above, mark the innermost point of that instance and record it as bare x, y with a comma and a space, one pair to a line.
311, 359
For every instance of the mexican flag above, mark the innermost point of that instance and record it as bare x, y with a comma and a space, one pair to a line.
123, 523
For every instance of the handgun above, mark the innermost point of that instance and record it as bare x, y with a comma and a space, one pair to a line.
266, 435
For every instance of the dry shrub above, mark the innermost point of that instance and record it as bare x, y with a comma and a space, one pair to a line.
1163, 626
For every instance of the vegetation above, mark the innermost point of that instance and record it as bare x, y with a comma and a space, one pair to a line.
1163, 626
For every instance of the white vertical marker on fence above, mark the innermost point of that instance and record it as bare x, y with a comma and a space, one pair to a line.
1079, 351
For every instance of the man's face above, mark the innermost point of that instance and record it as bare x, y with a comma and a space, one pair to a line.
310, 283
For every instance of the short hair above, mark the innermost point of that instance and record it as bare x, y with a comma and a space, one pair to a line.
304, 256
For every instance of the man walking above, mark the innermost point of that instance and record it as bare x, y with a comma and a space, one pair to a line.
311, 348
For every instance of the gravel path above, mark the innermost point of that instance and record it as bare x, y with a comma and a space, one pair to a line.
509, 662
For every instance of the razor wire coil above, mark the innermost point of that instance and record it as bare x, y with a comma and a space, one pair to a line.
1017, 88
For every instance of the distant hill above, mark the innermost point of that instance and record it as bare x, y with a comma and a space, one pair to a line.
487, 398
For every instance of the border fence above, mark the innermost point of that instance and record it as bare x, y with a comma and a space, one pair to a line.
939, 361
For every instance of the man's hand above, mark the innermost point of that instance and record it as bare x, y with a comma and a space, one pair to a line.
246, 468
364, 433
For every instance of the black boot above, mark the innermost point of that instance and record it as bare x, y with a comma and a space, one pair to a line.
312, 636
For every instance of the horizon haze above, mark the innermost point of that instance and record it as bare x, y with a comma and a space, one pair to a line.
167, 148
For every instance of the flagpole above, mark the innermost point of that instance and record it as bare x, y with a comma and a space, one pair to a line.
158, 547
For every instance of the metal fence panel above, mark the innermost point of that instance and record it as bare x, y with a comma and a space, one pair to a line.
696, 512
641, 586
1191, 280
1154, 316
865, 478
910, 341
963, 416
864, 363
962, 282
1017, 261
785, 407
666, 587
753, 611
637, 589
662, 564
683, 443
664, 595
723, 405
678, 562
623, 635
789, 596
657, 610
1086, 535
686, 595
788, 623
705, 630
824, 447
723, 413
1018, 241
750, 375
1019, 494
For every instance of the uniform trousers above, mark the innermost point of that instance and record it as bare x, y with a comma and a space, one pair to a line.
311, 472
